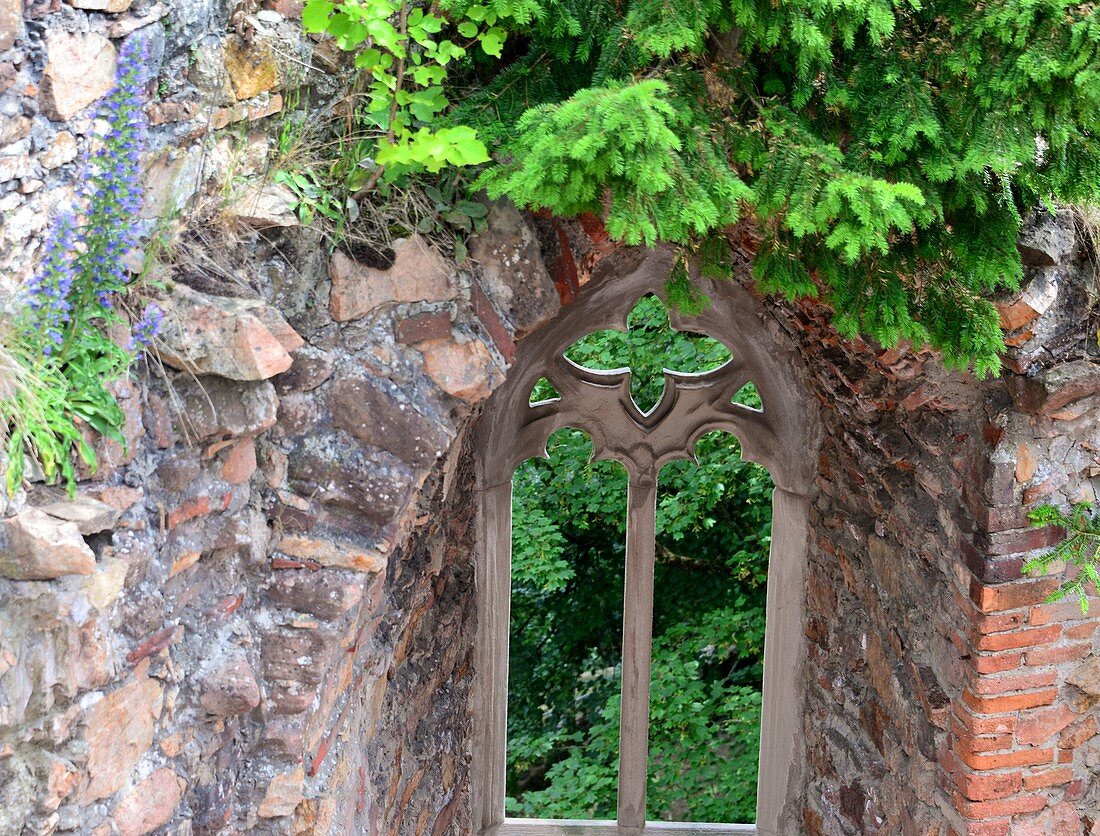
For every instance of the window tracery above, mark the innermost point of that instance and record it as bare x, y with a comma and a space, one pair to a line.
600, 403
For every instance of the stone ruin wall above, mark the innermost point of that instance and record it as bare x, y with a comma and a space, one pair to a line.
259, 616
943, 695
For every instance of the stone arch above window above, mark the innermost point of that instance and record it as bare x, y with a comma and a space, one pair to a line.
782, 436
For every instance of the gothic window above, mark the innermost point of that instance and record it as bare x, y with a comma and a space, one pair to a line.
600, 403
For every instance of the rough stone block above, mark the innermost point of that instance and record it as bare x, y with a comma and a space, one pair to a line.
230, 689
11, 23
251, 66
327, 595
36, 546
1046, 239
80, 70
120, 731
284, 793
419, 274
90, 515
368, 413
109, 6
219, 336
465, 370
217, 408
332, 554
512, 269
150, 804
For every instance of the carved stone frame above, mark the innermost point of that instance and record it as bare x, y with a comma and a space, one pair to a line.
783, 437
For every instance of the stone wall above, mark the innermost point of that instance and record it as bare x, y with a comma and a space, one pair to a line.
258, 616
943, 694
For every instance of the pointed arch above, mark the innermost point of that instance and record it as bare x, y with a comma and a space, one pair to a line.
783, 437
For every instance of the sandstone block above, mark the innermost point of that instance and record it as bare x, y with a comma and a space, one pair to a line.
464, 370
120, 731
224, 337
239, 462
1046, 239
1087, 677
418, 274
11, 23
294, 663
215, 407
371, 415
90, 515
353, 493
327, 595
252, 68
512, 268
268, 205
61, 780
36, 546
150, 804
15, 166
12, 128
1054, 388
311, 368
284, 793
231, 689
332, 554
62, 150
80, 70
110, 6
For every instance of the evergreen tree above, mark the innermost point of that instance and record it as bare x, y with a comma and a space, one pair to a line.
883, 151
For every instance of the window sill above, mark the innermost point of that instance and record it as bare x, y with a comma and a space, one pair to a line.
573, 827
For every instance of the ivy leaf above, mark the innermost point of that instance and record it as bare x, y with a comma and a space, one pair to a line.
315, 15
492, 41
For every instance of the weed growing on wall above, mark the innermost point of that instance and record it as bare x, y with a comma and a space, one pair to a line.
61, 340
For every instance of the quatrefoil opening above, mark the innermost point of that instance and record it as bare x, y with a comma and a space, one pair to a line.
647, 354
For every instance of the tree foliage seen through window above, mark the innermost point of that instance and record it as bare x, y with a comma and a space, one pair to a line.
713, 523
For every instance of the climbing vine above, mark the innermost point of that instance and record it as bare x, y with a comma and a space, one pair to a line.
63, 353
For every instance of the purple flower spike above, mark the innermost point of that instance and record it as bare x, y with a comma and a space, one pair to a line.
48, 292
146, 328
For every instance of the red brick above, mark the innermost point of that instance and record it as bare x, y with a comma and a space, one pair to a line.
1011, 596
999, 663
1081, 631
982, 743
988, 786
427, 326
990, 827
1061, 612
1003, 760
485, 312
1079, 733
1033, 637
1067, 821
1048, 778
188, 510
1024, 539
1065, 756
986, 624
1013, 702
985, 725
1055, 655
1001, 807
239, 462
1039, 726
1004, 684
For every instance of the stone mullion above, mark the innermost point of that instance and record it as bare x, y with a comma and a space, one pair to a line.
641, 510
